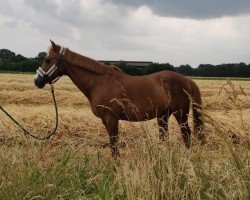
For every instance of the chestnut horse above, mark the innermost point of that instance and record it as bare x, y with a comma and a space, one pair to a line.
115, 95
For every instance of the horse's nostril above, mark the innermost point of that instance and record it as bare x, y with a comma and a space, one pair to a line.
39, 83
35, 81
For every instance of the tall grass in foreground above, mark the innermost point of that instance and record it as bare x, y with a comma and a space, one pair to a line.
147, 169
217, 170
173, 172
67, 178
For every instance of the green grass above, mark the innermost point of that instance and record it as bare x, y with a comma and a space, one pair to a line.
15, 72
220, 78
150, 173
69, 177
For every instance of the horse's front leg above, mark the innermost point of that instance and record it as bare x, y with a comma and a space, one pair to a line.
163, 126
111, 124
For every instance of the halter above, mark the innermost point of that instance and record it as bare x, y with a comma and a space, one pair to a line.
54, 67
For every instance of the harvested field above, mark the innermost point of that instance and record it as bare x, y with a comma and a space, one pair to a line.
74, 164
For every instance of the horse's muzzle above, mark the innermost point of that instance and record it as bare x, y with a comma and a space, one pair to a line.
39, 81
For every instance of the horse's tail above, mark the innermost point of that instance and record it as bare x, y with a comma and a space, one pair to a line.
197, 111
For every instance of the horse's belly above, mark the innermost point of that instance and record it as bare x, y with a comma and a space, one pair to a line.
136, 105
140, 113
136, 118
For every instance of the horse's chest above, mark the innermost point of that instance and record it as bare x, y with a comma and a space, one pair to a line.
95, 110
100, 109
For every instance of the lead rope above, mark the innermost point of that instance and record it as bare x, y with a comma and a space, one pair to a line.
27, 132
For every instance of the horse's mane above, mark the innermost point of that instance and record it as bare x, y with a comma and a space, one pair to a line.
89, 63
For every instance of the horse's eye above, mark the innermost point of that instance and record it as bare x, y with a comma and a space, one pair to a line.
46, 61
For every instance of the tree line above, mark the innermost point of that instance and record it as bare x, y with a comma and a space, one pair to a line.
203, 70
9, 61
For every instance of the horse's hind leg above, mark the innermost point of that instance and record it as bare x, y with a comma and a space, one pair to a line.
182, 119
198, 123
163, 125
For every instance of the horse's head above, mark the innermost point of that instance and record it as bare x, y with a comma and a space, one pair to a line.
51, 68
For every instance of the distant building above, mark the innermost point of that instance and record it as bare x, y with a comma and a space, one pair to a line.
132, 63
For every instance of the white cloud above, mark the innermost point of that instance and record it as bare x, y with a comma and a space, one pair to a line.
107, 31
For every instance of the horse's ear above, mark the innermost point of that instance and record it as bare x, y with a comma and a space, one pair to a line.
54, 46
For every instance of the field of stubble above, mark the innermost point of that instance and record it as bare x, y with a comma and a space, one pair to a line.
74, 164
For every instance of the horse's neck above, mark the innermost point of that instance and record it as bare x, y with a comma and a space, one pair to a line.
85, 80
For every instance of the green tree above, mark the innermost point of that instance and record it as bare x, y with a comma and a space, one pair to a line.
41, 56
156, 67
186, 70
18, 58
6, 54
